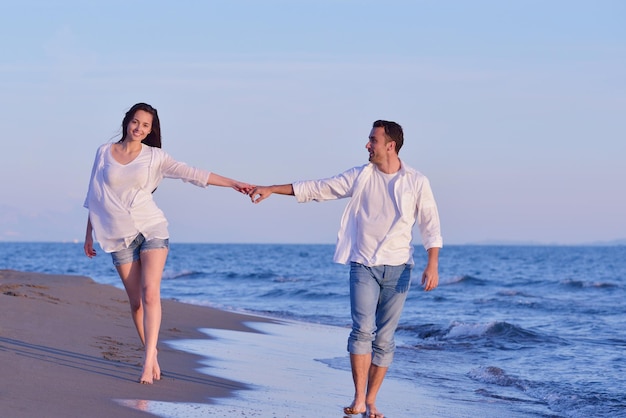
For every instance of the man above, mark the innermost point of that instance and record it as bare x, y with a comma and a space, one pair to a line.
387, 198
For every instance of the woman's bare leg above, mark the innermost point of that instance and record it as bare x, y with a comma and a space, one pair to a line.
130, 274
152, 265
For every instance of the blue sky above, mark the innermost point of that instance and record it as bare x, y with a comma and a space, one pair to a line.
514, 110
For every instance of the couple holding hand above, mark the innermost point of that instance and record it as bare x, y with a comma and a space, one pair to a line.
387, 198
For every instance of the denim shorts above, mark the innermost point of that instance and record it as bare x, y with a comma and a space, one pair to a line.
139, 245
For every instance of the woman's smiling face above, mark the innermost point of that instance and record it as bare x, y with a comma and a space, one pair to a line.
140, 126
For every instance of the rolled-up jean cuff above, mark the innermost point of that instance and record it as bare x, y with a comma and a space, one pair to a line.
359, 347
380, 359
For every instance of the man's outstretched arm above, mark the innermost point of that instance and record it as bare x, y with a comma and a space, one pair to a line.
260, 193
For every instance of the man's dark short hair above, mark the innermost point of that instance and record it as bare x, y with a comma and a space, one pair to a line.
393, 132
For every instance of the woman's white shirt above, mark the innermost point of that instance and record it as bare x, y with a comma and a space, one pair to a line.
120, 199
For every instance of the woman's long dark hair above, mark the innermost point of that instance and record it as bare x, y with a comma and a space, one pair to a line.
154, 137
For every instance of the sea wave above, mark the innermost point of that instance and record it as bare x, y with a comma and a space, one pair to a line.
172, 275
496, 376
297, 293
582, 284
498, 334
560, 397
463, 279
514, 293
247, 276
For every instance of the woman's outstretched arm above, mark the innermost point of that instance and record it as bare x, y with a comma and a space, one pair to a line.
217, 180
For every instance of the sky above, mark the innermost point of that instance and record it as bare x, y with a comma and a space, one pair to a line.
514, 110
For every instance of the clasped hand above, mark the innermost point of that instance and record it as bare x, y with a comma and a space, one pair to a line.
256, 193
259, 193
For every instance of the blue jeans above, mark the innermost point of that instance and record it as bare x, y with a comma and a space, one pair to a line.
132, 253
377, 296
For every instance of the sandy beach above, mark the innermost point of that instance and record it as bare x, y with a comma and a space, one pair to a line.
68, 348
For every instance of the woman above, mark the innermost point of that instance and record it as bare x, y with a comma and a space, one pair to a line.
128, 224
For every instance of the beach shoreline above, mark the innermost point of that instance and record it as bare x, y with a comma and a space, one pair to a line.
483, 344
69, 348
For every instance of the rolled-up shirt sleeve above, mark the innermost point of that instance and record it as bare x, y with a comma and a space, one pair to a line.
336, 187
178, 170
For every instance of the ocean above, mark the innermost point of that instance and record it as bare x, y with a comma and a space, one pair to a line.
538, 330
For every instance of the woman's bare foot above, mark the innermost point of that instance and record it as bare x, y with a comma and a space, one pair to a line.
354, 409
374, 413
156, 369
150, 369
146, 378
